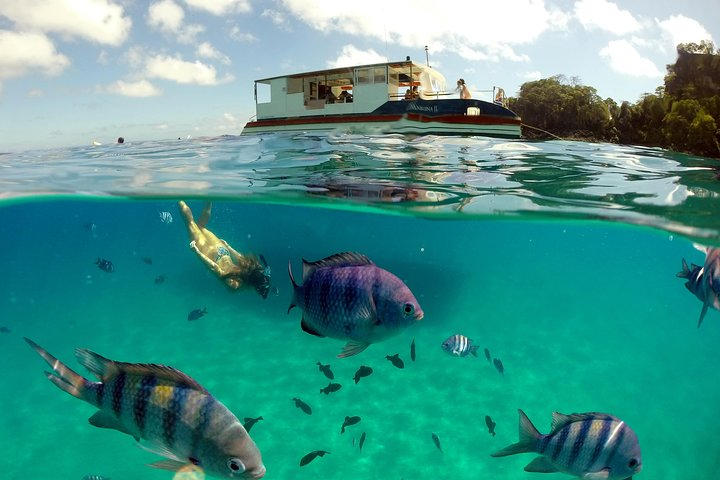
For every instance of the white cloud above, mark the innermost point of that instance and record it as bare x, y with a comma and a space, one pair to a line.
229, 117
221, 7
606, 16
530, 76
625, 59
23, 52
100, 21
239, 36
351, 55
206, 50
181, 71
440, 27
35, 93
276, 17
140, 88
681, 29
168, 17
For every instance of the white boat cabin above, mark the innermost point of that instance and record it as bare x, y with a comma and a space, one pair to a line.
345, 91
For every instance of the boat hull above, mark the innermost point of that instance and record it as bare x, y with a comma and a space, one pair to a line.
422, 117
411, 124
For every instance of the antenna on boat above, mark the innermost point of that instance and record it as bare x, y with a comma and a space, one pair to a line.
427, 58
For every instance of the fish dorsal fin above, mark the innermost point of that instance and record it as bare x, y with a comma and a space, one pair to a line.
345, 259
559, 420
105, 369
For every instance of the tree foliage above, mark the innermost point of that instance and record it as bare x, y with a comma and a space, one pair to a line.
683, 115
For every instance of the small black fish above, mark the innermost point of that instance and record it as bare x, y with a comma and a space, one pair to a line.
349, 421
396, 360
499, 366
248, 422
5, 330
487, 355
436, 441
147, 260
326, 370
363, 371
197, 313
105, 265
362, 440
332, 387
311, 456
302, 406
159, 279
412, 350
490, 424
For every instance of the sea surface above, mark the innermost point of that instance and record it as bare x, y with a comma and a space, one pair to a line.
558, 257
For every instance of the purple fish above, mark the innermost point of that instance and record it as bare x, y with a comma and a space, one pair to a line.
704, 282
346, 296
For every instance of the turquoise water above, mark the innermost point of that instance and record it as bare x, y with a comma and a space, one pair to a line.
559, 257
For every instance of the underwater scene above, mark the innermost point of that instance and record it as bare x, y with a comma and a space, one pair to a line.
359, 307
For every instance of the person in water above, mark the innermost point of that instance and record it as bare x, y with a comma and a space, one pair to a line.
233, 268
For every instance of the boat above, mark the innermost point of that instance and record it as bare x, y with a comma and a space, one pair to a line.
395, 97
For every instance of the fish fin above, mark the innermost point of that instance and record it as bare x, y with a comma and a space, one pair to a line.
700, 248
63, 377
344, 259
603, 474
702, 314
540, 465
473, 350
353, 347
559, 420
309, 329
104, 420
162, 451
171, 465
528, 436
685, 272
105, 369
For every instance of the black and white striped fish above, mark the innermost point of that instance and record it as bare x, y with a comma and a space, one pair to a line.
704, 282
459, 346
594, 446
174, 414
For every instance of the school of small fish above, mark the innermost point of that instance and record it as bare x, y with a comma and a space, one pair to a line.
344, 296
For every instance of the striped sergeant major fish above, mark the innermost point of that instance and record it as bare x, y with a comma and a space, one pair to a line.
594, 446
704, 282
164, 407
459, 345
346, 296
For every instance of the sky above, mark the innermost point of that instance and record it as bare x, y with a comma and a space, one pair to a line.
77, 71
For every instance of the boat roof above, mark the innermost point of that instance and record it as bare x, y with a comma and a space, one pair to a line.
402, 65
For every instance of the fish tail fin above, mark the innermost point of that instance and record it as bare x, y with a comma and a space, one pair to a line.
473, 350
62, 376
528, 437
295, 285
685, 272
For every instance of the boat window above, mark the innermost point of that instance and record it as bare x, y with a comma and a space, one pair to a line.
380, 75
363, 76
262, 93
294, 85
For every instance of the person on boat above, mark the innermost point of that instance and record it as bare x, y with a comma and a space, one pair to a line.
463, 89
412, 94
330, 96
345, 97
233, 268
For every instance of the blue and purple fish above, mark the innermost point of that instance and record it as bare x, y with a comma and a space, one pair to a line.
346, 296
592, 446
704, 282
165, 409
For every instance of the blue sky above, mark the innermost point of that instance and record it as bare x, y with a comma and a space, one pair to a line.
75, 71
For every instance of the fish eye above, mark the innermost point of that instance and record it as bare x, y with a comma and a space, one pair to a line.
633, 463
408, 309
236, 465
